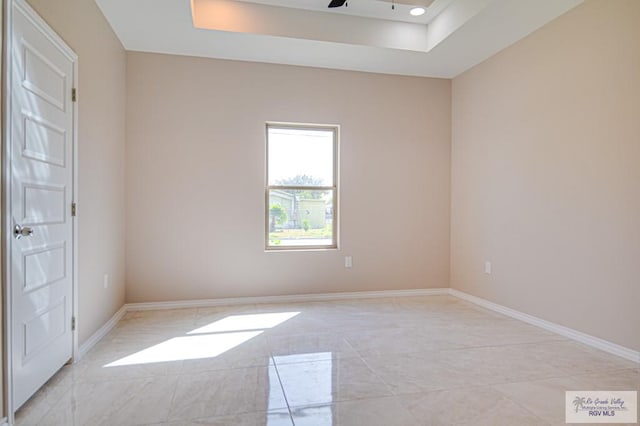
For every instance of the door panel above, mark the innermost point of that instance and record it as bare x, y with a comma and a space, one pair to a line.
41, 188
43, 328
42, 77
43, 266
43, 141
43, 204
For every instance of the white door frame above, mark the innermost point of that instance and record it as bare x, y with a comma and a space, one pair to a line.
6, 186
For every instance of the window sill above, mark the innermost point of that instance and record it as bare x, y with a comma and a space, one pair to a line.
299, 249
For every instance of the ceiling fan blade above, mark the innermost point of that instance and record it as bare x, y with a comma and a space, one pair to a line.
337, 3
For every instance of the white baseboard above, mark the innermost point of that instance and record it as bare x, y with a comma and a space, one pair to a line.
203, 303
100, 333
570, 333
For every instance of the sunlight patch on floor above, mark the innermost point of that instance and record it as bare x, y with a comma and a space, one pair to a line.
187, 347
246, 322
209, 341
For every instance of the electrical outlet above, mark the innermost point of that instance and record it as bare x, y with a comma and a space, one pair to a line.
487, 267
348, 262
105, 281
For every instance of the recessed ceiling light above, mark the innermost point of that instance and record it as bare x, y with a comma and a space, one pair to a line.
417, 11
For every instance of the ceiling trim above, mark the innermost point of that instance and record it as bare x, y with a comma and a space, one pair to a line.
462, 35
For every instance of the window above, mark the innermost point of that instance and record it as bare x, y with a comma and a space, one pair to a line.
302, 190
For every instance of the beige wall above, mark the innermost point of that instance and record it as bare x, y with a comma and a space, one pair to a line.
546, 173
195, 178
101, 137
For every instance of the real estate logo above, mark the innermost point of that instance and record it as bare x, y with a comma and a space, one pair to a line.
601, 406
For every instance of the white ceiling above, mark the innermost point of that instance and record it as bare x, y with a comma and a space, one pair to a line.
377, 9
450, 38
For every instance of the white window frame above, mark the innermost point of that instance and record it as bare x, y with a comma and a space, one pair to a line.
335, 129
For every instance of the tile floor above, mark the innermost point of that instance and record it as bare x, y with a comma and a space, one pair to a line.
389, 362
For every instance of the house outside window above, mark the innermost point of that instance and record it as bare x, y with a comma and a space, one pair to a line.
301, 194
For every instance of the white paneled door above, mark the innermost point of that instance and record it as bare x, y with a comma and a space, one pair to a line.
41, 196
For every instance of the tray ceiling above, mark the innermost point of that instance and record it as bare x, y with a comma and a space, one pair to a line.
451, 37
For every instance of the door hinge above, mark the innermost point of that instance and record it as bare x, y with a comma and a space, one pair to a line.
73, 209
73, 323
74, 95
